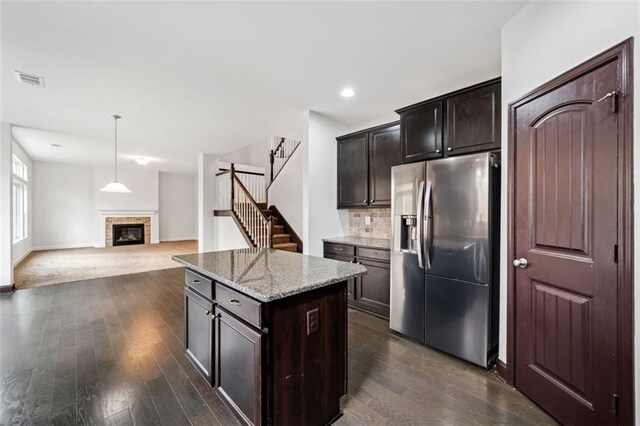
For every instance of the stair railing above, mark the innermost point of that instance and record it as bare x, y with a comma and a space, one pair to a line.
255, 223
254, 182
279, 155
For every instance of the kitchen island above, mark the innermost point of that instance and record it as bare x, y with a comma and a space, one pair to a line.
268, 330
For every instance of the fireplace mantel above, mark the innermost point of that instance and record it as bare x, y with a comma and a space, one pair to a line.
105, 213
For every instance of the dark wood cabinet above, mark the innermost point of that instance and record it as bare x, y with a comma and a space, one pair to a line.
238, 366
473, 121
383, 154
373, 289
353, 167
371, 292
421, 132
461, 122
365, 159
198, 337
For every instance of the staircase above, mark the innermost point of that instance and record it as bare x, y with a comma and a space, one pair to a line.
281, 232
261, 226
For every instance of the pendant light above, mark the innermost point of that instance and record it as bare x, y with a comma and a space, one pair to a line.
115, 186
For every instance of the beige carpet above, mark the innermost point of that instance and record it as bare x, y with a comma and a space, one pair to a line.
61, 266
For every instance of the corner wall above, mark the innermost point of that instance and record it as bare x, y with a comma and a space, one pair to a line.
542, 41
321, 218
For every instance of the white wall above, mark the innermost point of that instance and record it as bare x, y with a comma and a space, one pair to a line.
6, 266
286, 191
255, 154
64, 209
227, 234
321, 218
178, 201
542, 41
208, 166
142, 183
23, 247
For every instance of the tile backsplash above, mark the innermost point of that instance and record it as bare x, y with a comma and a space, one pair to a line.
380, 226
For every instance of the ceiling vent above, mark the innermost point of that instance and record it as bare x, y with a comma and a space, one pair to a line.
30, 79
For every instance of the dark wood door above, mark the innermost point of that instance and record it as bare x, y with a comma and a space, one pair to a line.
350, 283
421, 132
373, 289
198, 339
238, 373
353, 169
565, 226
384, 153
473, 121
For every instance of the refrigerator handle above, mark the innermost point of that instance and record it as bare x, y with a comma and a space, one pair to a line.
419, 223
427, 207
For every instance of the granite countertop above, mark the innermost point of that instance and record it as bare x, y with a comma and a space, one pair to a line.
268, 274
379, 243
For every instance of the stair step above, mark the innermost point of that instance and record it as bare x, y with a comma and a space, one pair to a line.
278, 229
293, 247
267, 212
280, 238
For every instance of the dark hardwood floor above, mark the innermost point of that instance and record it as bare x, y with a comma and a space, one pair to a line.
110, 351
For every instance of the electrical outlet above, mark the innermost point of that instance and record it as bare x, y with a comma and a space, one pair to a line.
367, 220
313, 321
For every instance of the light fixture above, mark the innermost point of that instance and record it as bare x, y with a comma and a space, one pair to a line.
115, 186
347, 92
142, 161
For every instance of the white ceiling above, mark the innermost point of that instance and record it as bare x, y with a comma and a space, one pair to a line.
192, 77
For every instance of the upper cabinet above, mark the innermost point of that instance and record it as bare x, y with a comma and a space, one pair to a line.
421, 132
364, 166
353, 167
473, 121
461, 122
383, 154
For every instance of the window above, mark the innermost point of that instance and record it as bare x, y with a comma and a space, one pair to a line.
19, 211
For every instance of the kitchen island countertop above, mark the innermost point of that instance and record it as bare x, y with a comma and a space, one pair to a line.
267, 274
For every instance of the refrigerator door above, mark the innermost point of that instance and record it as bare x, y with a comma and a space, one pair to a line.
407, 311
456, 236
457, 319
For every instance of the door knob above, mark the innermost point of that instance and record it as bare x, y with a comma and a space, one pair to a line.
520, 263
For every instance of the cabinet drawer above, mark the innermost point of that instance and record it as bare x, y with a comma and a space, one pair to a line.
378, 254
199, 283
246, 308
343, 249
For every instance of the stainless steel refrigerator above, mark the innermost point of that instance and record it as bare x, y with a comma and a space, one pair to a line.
445, 250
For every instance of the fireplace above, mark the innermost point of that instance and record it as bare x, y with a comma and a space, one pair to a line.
128, 233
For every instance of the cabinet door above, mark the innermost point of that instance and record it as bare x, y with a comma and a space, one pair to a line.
372, 289
384, 153
421, 132
473, 121
353, 188
238, 372
198, 337
350, 283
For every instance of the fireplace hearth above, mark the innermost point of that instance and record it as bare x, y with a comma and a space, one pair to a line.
128, 234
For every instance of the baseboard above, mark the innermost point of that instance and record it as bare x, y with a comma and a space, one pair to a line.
21, 258
168, 240
63, 246
7, 288
502, 371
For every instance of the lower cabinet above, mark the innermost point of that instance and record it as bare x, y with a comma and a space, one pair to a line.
373, 289
238, 365
371, 292
199, 332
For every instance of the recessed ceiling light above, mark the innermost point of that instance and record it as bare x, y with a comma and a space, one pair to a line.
142, 161
347, 92
56, 145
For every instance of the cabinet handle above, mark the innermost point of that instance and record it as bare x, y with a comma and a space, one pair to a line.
234, 302
449, 149
438, 151
196, 281
364, 202
207, 313
339, 248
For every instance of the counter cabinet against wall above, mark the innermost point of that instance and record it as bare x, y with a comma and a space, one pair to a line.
371, 292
